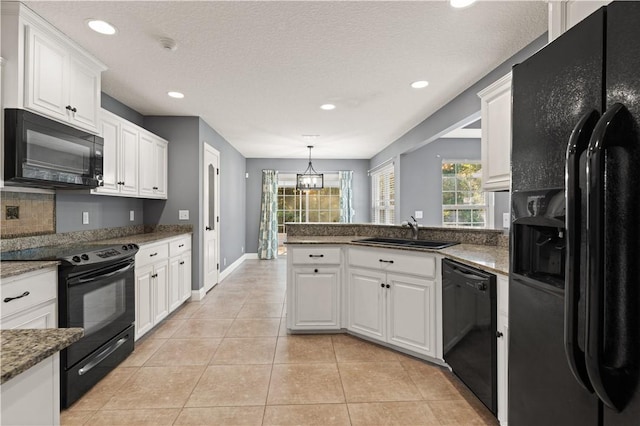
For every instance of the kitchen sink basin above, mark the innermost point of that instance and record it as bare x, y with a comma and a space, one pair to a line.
407, 243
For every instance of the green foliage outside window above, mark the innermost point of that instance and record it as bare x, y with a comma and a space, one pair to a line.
463, 201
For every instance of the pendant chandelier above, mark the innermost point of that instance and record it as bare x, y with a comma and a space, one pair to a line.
310, 179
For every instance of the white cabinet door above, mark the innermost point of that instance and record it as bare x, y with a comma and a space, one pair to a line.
144, 299
42, 316
174, 283
412, 313
110, 155
161, 291
47, 84
367, 303
128, 161
316, 300
161, 173
566, 13
503, 348
496, 135
146, 167
84, 94
185, 274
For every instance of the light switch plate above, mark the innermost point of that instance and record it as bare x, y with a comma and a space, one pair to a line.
418, 214
132, 215
183, 214
506, 220
85, 218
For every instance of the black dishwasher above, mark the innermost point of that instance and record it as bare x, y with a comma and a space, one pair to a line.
469, 328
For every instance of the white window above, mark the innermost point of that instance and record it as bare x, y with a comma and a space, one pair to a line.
383, 195
463, 201
317, 205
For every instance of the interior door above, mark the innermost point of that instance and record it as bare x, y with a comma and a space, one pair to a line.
211, 217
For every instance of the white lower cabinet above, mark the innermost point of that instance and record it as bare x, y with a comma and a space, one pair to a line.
163, 283
394, 307
503, 348
33, 397
179, 272
313, 293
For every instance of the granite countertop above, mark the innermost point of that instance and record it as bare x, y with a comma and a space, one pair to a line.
493, 259
10, 269
22, 349
141, 239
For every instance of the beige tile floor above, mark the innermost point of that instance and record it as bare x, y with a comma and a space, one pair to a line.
227, 360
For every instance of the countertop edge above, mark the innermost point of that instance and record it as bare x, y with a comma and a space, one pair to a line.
21, 349
12, 268
464, 253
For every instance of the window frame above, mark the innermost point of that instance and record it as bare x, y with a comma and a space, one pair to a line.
487, 206
383, 202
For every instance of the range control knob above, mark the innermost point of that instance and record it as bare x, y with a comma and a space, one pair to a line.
76, 259
133, 246
124, 247
85, 257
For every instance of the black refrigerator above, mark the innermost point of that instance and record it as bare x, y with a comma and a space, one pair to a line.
574, 302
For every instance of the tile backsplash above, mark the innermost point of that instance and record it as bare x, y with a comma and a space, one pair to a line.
24, 214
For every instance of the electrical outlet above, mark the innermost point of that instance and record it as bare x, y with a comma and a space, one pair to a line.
418, 214
183, 214
242, 249
224, 261
132, 215
85, 218
506, 220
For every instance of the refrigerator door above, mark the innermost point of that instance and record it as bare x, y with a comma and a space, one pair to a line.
552, 90
620, 347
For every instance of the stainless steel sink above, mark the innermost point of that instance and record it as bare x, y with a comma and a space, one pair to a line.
436, 245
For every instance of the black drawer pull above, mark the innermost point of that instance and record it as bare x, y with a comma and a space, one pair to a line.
153, 254
181, 245
382, 285
182, 263
315, 270
388, 286
9, 299
316, 255
385, 261
499, 334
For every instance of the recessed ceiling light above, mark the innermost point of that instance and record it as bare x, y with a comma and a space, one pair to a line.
328, 107
421, 84
461, 3
101, 27
176, 95
310, 136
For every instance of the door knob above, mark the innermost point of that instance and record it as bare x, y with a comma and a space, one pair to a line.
208, 228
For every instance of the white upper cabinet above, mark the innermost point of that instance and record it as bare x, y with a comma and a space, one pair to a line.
495, 103
47, 72
565, 14
153, 166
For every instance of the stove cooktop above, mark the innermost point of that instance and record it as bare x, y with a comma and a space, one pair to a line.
73, 254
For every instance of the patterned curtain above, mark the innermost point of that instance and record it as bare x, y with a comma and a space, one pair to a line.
268, 238
346, 196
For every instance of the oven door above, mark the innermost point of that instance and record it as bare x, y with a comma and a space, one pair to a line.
102, 302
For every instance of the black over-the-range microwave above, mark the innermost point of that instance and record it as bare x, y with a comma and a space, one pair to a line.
44, 153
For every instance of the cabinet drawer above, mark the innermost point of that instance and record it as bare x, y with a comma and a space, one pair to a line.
152, 253
316, 255
41, 286
179, 246
423, 264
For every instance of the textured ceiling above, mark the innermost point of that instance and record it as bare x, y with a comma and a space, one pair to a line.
257, 72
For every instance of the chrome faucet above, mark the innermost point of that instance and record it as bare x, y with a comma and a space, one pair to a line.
414, 227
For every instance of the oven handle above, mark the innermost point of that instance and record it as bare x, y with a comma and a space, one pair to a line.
110, 274
102, 355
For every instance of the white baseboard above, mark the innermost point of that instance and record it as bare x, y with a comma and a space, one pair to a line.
197, 295
224, 274
251, 256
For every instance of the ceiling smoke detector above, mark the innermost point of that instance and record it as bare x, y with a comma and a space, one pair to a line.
168, 44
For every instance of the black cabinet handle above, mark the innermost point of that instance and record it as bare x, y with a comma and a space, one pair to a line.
155, 187
181, 245
382, 285
499, 334
68, 107
153, 254
385, 261
316, 255
154, 276
388, 286
315, 270
9, 299
182, 263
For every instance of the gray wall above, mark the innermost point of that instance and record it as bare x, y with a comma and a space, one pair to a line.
104, 211
421, 176
361, 188
233, 200
120, 109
